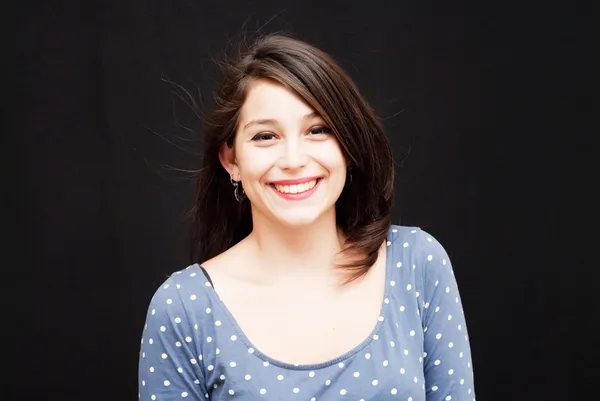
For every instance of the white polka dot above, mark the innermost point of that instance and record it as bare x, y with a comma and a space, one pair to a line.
450, 344
166, 286
469, 391
437, 362
405, 245
196, 326
426, 305
375, 337
144, 381
167, 383
444, 262
251, 350
387, 301
405, 352
153, 397
399, 264
231, 392
415, 379
196, 381
163, 328
193, 361
265, 364
232, 364
208, 339
410, 399
430, 258
327, 382
184, 394
434, 388
178, 286
402, 371
367, 356
313, 399
263, 391
177, 320
280, 377
341, 365
169, 301
342, 392
459, 327
178, 344
151, 369
460, 355
424, 354
417, 295
447, 290
296, 390
437, 308
385, 363
207, 284
311, 374
436, 282
188, 339
408, 287
180, 370
448, 398
392, 344
208, 310
356, 374
412, 333
402, 308
210, 367
388, 243
218, 323
394, 391
469, 364
392, 283
143, 354
233, 337
374, 382
164, 356
429, 239
462, 381
451, 372
192, 274
438, 336
193, 297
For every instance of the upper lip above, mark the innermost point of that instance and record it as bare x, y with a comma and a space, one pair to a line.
295, 181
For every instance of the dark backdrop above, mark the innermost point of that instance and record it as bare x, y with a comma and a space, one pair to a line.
484, 105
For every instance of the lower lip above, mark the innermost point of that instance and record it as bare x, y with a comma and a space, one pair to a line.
300, 196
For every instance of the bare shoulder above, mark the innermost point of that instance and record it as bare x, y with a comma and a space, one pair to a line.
230, 265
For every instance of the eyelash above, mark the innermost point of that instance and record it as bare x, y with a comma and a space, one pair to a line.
319, 129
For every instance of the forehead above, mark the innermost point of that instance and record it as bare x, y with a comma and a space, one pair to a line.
267, 99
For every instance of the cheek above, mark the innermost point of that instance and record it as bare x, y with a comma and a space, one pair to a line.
254, 162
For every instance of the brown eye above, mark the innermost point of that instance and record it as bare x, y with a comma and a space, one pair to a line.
263, 136
320, 129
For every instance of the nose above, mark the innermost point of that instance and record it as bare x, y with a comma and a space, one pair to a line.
293, 155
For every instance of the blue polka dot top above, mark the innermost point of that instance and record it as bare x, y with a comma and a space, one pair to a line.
193, 349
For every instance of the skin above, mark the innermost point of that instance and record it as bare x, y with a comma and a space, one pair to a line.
285, 270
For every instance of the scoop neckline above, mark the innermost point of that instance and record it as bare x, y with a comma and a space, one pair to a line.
256, 352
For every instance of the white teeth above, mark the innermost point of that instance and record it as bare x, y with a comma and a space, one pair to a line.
296, 189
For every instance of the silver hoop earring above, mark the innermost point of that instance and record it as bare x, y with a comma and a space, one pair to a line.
238, 191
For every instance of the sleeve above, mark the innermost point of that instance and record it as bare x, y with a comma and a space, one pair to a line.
169, 360
447, 355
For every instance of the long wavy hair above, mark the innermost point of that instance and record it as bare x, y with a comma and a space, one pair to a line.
363, 211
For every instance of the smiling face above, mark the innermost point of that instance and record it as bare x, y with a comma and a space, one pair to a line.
288, 161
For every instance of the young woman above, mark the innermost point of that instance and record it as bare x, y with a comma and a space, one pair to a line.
306, 291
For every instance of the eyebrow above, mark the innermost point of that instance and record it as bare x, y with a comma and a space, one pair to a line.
267, 121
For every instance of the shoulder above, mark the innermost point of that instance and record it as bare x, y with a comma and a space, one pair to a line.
425, 259
181, 294
416, 241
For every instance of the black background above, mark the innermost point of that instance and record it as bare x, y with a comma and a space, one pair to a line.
486, 107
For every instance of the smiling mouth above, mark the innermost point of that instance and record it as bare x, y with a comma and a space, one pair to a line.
296, 188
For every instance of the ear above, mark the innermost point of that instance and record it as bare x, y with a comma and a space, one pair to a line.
227, 159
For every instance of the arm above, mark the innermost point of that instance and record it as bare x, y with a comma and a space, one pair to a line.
169, 360
447, 363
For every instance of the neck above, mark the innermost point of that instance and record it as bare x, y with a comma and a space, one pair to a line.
300, 251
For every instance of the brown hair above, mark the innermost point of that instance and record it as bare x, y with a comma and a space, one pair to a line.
363, 211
